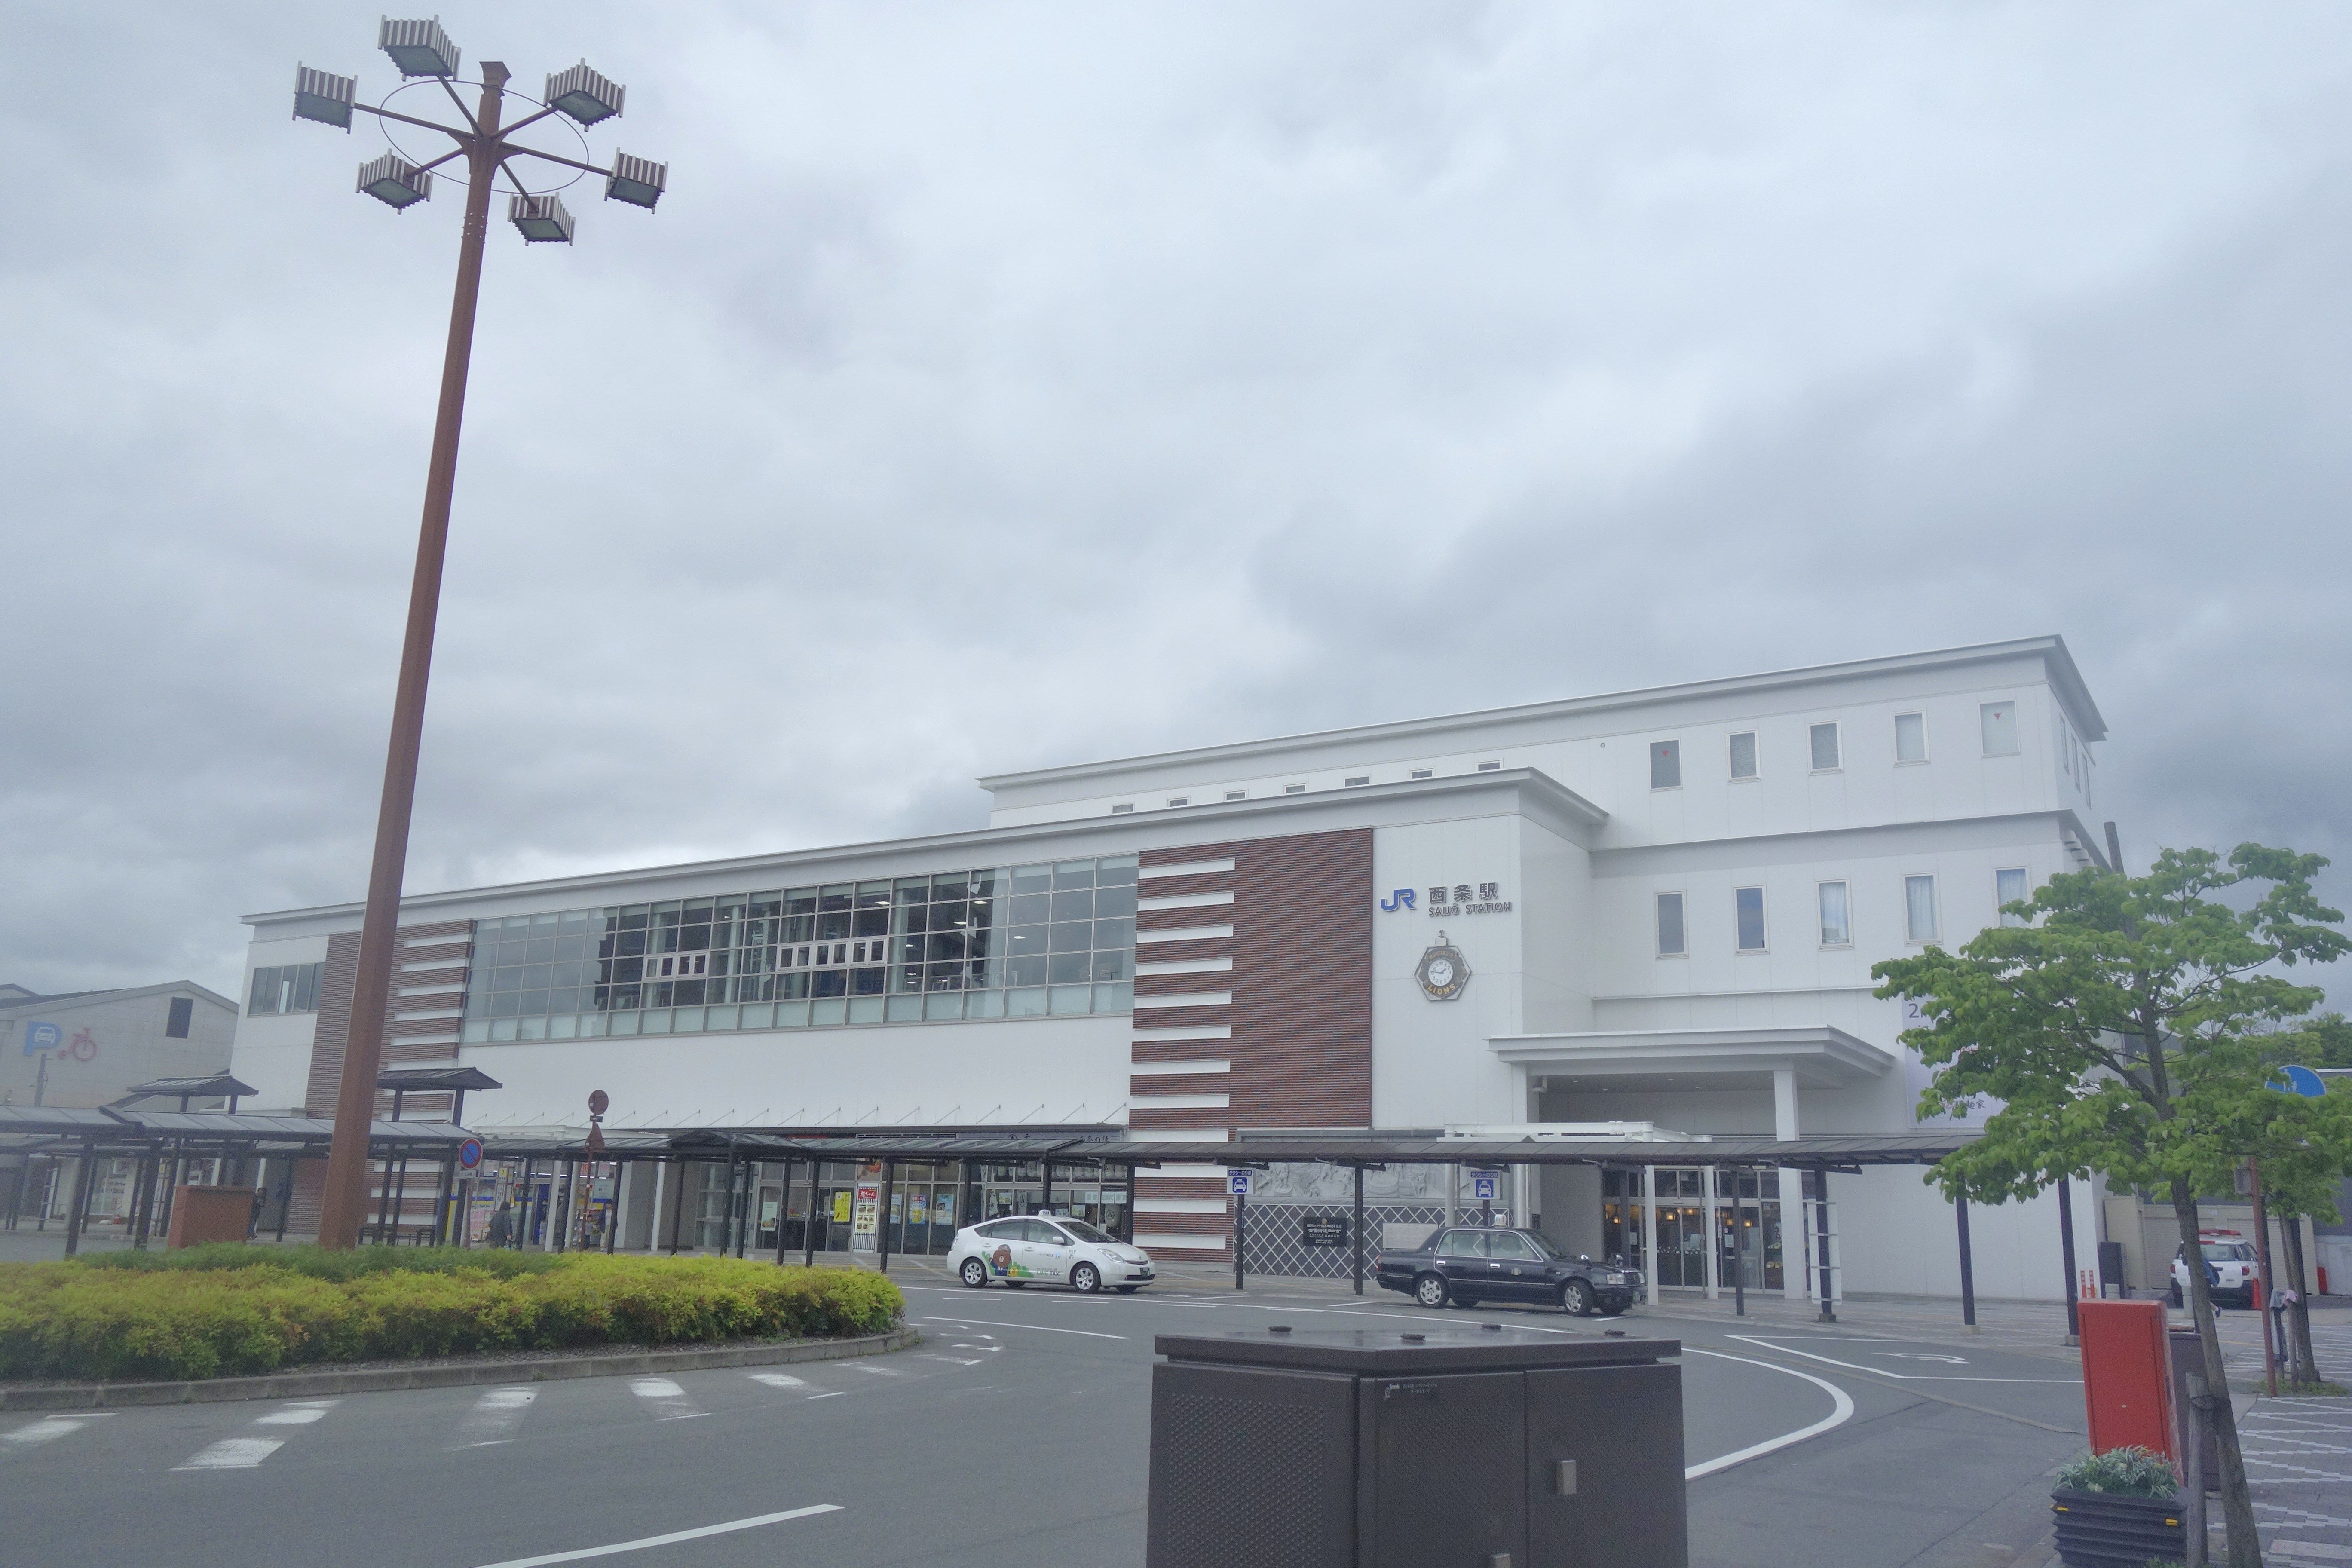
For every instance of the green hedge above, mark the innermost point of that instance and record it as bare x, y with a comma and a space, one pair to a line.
219, 1312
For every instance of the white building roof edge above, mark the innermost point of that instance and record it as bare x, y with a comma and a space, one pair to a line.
2053, 648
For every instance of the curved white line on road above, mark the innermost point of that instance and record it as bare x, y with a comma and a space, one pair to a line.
1837, 1416
676, 1535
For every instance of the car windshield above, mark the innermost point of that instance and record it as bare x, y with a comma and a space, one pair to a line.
1084, 1231
2228, 1252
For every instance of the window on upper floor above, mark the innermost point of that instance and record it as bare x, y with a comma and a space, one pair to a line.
1747, 910
1672, 941
1920, 908
1294, 789
1423, 773
285, 989
1743, 754
1837, 927
1180, 800
2000, 721
1122, 810
1825, 748
2009, 887
1360, 780
1237, 795
1489, 767
1666, 764
1910, 737
183, 1012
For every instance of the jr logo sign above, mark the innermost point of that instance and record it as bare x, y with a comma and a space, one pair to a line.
1400, 899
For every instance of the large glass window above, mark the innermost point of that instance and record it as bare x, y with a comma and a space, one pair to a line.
285, 989
1010, 941
1999, 720
1824, 738
1666, 764
1910, 737
1743, 754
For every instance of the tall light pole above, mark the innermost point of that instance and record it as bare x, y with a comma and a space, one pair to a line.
488, 149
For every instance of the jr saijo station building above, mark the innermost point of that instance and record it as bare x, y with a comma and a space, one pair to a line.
1645, 920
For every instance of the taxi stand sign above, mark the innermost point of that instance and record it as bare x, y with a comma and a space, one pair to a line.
43, 1036
1485, 1187
1237, 1183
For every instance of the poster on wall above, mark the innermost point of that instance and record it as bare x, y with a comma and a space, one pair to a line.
918, 1212
943, 1209
867, 1222
841, 1208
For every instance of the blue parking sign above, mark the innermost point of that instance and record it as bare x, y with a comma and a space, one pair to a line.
1485, 1187
43, 1037
1237, 1184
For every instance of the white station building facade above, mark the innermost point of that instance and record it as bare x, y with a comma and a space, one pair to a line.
1646, 917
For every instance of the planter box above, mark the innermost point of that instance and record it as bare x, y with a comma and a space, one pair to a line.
2100, 1530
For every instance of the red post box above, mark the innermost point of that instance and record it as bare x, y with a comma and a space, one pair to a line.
2128, 1376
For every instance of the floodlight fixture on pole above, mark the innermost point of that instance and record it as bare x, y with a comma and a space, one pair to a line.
484, 149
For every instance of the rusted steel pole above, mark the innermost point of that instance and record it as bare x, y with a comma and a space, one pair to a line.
344, 1203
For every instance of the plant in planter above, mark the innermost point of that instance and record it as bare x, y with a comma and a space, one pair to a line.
2118, 1510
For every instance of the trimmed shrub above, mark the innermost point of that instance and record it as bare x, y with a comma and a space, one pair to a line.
218, 1311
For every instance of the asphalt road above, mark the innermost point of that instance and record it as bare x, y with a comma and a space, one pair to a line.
1017, 1433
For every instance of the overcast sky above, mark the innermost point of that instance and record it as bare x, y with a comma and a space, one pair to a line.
1001, 385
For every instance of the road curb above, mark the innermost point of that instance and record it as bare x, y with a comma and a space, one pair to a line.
372, 1380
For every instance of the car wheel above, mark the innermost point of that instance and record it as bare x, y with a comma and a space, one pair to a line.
1430, 1291
1126, 1290
1086, 1280
1575, 1299
973, 1273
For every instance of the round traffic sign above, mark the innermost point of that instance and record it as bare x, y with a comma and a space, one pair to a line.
469, 1153
2301, 1080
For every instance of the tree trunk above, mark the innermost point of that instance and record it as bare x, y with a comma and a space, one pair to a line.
2298, 1316
2237, 1502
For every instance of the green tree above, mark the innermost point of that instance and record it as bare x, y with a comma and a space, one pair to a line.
2122, 1030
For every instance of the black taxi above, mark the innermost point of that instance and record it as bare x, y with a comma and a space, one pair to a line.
1462, 1264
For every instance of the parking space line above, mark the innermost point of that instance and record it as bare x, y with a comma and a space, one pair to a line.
671, 1539
1762, 1343
1040, 1328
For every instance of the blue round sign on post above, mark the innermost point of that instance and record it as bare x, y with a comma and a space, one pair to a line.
2300, 1080
469, 1153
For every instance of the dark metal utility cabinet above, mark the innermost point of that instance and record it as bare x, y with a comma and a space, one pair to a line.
1450, 1447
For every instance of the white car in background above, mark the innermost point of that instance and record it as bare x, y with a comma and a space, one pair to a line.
1048, 1249
2235, 1268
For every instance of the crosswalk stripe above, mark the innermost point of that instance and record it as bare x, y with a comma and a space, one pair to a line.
494, 1419
233, 1454
776, 1379
244, 1453
49, 1428
876, 1371
655, 1388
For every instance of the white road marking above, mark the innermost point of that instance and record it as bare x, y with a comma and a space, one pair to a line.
233, 1454
1842, 1411
834, 1395
49, 1428
675, 1536
300, 1413
655, 1388
871, 1369
776, 1379
494, 1419
1040, 1328
1884, 1372
244, 1453
956, 1360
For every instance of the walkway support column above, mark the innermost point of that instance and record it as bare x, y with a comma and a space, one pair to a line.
1796, 1282
1821, 1230
1357, 1231
1650, 1233
889, 1195
784, 1210
1714, 1262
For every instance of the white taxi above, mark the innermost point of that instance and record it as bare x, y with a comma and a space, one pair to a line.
1048, 1249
